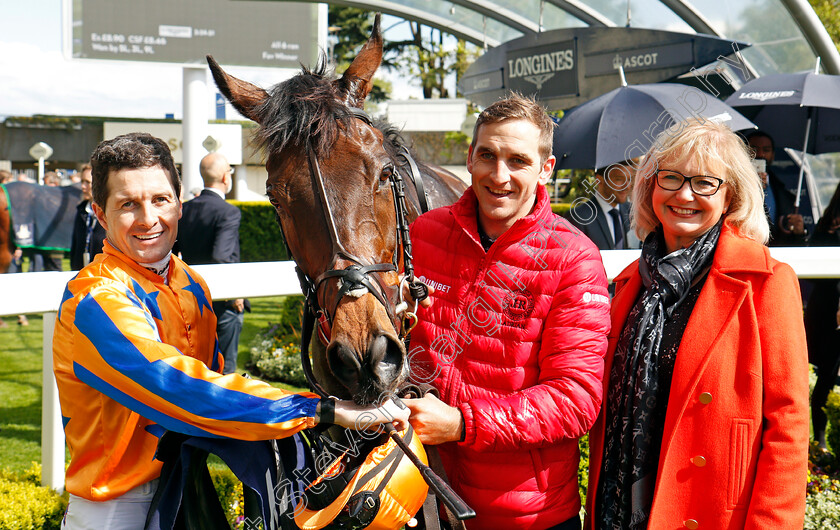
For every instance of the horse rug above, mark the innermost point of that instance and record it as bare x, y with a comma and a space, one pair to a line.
42, 216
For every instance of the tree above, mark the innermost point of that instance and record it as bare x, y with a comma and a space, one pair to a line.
431, 59
349, 29
829, 13
427, 55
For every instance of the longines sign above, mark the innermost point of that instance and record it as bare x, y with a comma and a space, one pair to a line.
550, 69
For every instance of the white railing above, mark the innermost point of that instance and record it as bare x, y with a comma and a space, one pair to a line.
41, 292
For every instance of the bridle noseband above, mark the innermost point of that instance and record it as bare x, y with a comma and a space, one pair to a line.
357, 278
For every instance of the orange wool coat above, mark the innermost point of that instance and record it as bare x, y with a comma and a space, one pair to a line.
735, 443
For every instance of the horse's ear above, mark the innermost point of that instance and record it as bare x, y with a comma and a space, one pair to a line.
357, 80
244, 96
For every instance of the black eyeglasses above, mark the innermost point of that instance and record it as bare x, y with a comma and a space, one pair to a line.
704, 185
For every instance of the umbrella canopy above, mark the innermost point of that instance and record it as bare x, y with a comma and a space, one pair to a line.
624, 122
781, 105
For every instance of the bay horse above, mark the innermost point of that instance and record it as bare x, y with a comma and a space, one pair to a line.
335, 181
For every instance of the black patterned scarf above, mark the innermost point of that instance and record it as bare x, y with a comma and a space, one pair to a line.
635, 400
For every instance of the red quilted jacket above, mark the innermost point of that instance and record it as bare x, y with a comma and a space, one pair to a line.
515, 339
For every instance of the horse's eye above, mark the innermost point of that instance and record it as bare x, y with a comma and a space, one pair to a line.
387, 173
269, 191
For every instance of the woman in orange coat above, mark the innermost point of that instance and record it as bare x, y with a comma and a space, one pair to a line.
704, 422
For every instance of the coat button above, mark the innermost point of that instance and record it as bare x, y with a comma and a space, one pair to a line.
691, 524
705, 398
698, 461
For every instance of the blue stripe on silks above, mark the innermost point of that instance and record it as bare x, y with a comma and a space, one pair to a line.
196, 396
89, 378
67, 295
155, 430
64, 421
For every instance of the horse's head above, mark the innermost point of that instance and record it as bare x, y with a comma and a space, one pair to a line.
329, 178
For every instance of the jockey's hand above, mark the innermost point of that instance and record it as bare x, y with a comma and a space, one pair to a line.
435, 421
363, 417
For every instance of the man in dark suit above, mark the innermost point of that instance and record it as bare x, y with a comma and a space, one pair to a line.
605, 216
208, 232
88, 234
787, 229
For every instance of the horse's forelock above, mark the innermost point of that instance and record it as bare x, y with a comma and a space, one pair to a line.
300, 110
393, 140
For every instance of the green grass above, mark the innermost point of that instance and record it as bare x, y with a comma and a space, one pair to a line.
20, 393
20, 380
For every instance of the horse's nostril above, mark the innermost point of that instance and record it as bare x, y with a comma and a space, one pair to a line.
344, 365
386, 359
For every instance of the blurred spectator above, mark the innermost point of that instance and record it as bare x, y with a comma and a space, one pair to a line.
88, 234
51, 178
822, 320
208, 232
6, 176
787, 229
605, 217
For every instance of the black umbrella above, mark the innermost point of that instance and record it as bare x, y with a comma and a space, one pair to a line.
801, 111
624, 123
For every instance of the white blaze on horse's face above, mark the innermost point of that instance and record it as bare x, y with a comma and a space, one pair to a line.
355, 293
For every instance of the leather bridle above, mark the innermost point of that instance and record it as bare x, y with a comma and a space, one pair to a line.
360, 276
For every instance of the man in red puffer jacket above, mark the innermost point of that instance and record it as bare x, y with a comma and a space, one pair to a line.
515, 336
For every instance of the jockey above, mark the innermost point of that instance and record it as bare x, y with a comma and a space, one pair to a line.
135, 350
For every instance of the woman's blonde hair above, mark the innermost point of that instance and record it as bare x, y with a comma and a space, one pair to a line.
708, 145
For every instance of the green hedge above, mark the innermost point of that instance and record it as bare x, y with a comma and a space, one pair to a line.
229, 490
25, 505
260, 238
561, 208
823, 493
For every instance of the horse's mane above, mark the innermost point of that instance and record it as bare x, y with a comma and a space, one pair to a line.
306, 108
